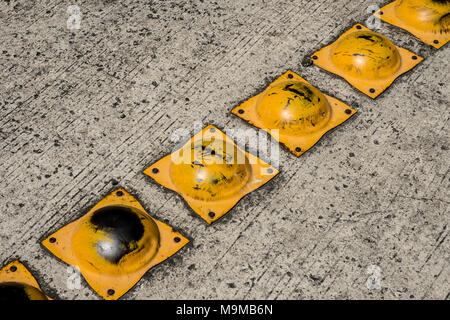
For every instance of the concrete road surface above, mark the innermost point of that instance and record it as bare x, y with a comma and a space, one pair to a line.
92, 97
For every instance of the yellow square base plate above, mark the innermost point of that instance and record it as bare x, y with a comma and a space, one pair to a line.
372, 88
18, 273
215, 207
340, 112
388, 14
107, 285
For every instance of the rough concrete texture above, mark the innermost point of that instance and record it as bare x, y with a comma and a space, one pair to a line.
80, 108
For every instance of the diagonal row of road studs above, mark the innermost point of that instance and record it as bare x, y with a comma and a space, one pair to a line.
117, 241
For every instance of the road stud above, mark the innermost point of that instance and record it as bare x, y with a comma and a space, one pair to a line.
296, 111
367, 60
428, 20
18, 284
211, 173
115, 244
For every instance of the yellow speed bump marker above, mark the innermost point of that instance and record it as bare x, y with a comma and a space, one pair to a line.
428, 20
367, 60
294, 112
211, 173
115, 244
17, 283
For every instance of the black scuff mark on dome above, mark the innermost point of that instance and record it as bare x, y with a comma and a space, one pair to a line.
10, 291
441, 1
308, 94
288, 103
444, 23
196, 163
366, 37
354, 55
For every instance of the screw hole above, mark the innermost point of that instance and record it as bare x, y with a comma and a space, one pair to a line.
155, 170
290, 76
358, 27
111, 292
436, 41
52, 240
119, 193
211, 214
13, 269
177, 239
414, 57
372, 90
240, 111
348, 111
315, 57
381, 13
298, 149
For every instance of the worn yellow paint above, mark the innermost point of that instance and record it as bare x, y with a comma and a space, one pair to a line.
367, 60
211, 173
205, 179
366, 55
428, 20
77, 244
299, 112
22, 276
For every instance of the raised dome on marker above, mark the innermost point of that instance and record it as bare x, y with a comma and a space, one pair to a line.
425, 15
213, 170
13, 291
116, 239
294, 107
366, 55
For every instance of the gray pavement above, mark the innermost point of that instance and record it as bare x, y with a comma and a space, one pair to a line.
80, 108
